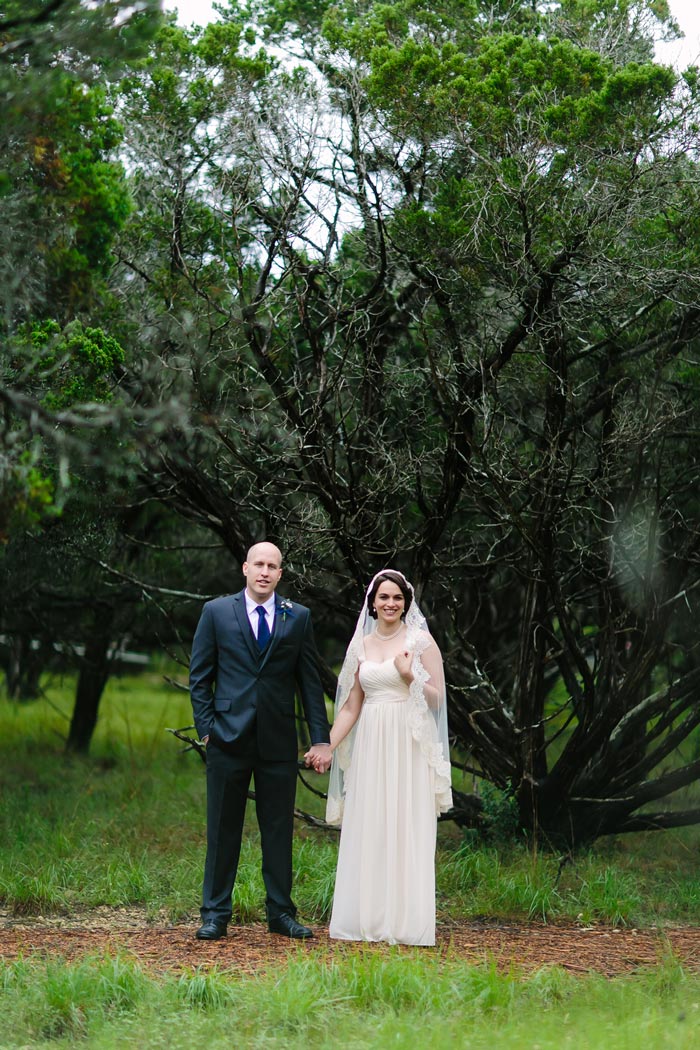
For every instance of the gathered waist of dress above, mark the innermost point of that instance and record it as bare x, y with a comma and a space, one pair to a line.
386, 698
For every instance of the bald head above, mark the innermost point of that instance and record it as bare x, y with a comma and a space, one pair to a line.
262, 570
265, 550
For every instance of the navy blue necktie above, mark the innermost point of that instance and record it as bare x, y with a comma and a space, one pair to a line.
263, 629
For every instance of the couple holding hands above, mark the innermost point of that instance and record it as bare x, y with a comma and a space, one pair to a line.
387, 752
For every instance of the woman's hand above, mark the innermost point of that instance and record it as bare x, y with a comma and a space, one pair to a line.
402, 663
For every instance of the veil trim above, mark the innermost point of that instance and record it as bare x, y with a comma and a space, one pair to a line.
423, 728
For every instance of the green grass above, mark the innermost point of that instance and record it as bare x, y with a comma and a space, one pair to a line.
121, 827
125, 827
362, 999
479, 880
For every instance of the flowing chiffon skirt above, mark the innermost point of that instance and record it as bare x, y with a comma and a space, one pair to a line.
385, 882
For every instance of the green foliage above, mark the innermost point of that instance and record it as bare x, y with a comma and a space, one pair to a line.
26, 495
92, 42
61, 368
500, 813
77, 364
514, 85
63, 189
64, 199
71, 161
176, 108
278, 17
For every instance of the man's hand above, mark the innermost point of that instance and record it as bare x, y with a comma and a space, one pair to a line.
319, 756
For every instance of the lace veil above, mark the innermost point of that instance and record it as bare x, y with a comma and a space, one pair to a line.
428, 720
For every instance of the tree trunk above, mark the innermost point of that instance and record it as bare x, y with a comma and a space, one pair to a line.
92, 680
23, 668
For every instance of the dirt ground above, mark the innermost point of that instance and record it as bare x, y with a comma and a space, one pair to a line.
250, 949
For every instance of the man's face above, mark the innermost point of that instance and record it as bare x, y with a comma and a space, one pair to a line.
262, 571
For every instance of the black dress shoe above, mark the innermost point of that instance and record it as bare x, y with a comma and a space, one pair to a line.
211, 931
289, 927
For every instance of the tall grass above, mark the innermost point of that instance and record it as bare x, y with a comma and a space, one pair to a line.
361, 999
478, 880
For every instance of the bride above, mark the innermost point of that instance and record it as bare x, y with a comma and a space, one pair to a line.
390, 774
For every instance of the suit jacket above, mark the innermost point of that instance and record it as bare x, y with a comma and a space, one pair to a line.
237, 690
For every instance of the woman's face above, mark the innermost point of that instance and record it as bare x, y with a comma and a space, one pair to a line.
389, 604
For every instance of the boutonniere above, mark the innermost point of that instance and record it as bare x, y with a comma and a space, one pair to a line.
285, 606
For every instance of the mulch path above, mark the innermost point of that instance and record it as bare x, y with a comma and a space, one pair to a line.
250, 949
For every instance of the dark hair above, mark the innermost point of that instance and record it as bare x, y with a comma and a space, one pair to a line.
390, 577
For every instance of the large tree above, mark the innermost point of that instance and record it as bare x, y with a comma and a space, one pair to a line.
431, 295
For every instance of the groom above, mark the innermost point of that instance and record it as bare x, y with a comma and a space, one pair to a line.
249, 652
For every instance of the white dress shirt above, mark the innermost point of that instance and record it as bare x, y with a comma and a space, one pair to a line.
269, 607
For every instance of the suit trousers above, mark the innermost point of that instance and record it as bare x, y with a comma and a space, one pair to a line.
228, 781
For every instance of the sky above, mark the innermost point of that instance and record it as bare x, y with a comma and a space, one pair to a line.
682, 53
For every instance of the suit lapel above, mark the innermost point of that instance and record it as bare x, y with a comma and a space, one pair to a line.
279, 629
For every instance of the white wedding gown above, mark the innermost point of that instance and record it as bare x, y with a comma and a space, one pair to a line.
385, 883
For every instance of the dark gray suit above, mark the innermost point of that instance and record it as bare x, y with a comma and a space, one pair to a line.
244, 700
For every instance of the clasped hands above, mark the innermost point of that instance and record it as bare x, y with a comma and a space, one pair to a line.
319, 756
